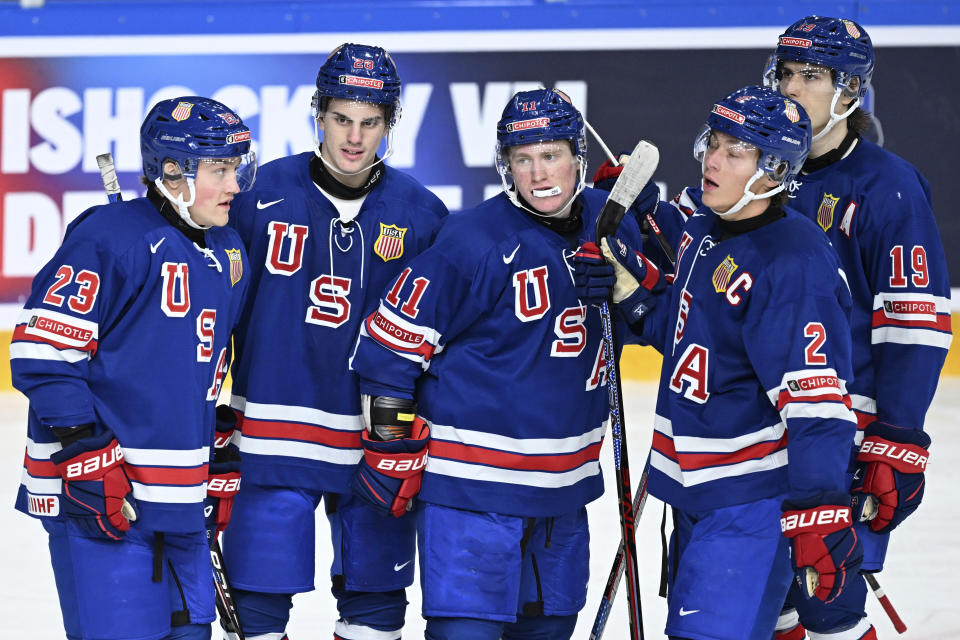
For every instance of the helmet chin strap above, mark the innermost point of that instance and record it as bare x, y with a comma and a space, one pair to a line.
337, 170
837, 117
512, 192
749, 196
182, 207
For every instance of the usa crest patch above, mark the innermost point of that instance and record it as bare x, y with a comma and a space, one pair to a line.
182, 112
825, 211
236, 265
389, 244
790, 110
851, 29
721, 275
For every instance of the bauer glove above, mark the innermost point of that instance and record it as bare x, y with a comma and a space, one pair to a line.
825, 551
394, 454
96, 490
223, 480
889, 482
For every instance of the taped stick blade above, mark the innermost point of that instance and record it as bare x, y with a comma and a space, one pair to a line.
636, 173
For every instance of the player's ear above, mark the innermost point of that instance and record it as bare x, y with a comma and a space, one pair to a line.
172, 176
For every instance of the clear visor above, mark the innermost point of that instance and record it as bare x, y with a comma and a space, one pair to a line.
216, 171
806, 71
548, 155
730, 146
775, 168
320, 108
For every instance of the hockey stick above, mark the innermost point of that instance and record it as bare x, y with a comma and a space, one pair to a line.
616, 572
884, 601
225, 605
635, 175
661, 240
110, 183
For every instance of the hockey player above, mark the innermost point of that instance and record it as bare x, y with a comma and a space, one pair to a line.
756, 351
326, 231
876, 209
121, 349
484, 345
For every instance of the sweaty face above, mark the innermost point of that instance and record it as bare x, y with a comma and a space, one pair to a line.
728, 164
545, 174
352, 132
215, 185
812, 87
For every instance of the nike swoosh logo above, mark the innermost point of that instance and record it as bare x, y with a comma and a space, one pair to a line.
686, 613
508, 259
397, 567
264, 205
153, 247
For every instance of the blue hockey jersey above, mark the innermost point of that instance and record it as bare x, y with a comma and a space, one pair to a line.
485, 330
877, 212
313, 281
876, 209
128, 327
756, 361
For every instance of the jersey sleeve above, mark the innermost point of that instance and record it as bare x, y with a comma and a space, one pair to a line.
440, 293
797, 338
911, 329
74, 298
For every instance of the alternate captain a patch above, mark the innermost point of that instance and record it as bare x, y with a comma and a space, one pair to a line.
236, 265
721, 275
825, 211
389, 244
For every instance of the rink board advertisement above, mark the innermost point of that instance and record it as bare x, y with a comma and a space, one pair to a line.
58, 113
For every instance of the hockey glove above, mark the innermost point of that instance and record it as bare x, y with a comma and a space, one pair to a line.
638, 279
394, 454
223, 480
593, 277
826, 552
96, 490
648, 199
888, 485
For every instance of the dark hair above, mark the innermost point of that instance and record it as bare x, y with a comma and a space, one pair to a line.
859, 121
386, 110
779, 200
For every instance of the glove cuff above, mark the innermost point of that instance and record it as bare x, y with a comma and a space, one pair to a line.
904, 435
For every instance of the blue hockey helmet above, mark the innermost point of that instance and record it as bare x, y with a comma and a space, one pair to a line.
777, 126
540, 115
359, 72
188, 131
834, 43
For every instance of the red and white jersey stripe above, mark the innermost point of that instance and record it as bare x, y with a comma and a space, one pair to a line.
911, 318
156, 475
42, 334
490, 457
408, 340
691, 461
299, 432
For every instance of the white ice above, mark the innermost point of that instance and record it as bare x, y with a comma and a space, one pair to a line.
921, 577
